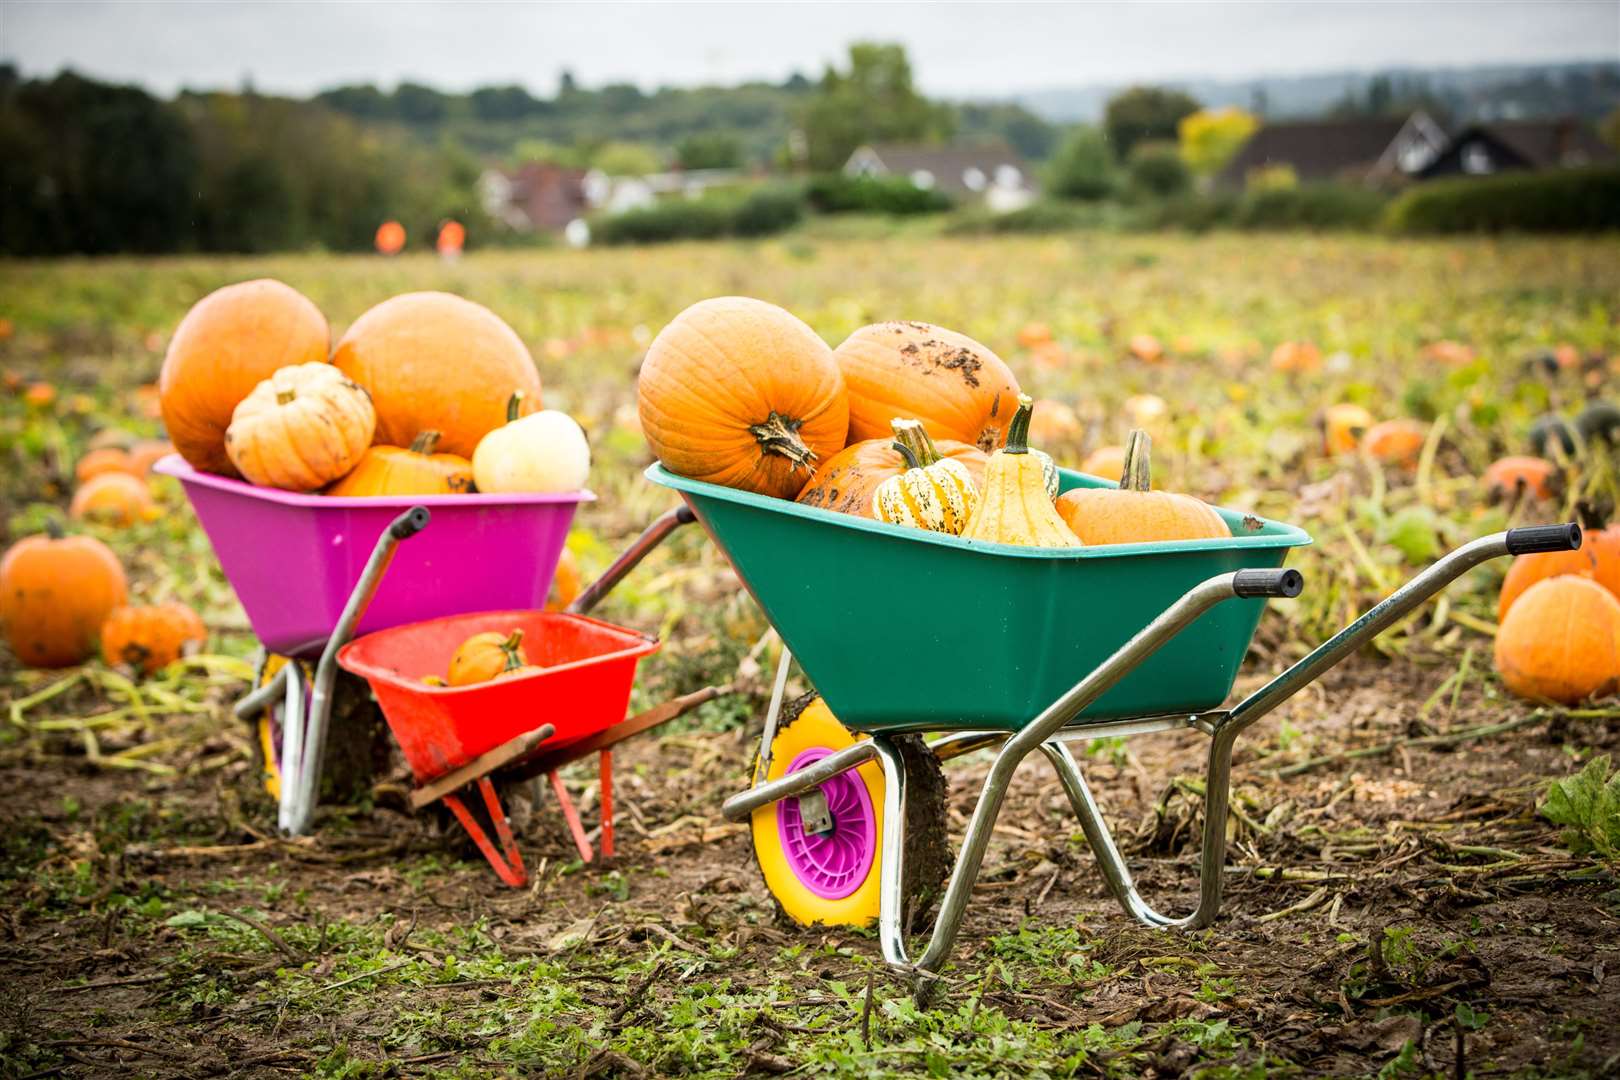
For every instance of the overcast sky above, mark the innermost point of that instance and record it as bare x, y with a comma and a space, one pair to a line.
957, 50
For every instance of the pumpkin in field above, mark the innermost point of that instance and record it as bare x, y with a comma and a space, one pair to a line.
145, 453
55, 593
484, 656
1561, 641
114, 497
1343, 426
1146, 348
104, 459
436, 362
959, 389
739, 392
398, 470
301, 428
1296, 357
1107, 462
565, 583
150, 638
1395, 442
1054, 422
228, 343
1015, 506
850, 479
1517, 477
1446, 351
543, 451
1134, 513
932, 493
1148, 411
1598, 559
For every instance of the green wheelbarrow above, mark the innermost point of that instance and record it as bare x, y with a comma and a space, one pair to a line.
906, 633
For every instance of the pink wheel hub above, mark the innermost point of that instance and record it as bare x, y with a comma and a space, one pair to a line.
832, 864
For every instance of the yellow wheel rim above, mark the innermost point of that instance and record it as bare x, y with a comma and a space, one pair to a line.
815, 728
265, 729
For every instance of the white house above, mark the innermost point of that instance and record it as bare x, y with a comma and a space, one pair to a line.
991, 173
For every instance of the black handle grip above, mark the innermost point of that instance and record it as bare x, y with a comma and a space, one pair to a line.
684, 515
1533, 538
410, 523
1251, 583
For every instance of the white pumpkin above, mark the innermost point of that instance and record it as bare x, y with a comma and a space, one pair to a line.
544, 451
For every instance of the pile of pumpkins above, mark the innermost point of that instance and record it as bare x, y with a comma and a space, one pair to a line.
426, 394
905, 422
1559, 614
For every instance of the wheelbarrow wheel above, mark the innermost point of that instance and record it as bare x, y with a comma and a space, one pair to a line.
832, 877
356, 743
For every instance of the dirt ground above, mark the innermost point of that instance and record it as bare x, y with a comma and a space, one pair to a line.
1405, 911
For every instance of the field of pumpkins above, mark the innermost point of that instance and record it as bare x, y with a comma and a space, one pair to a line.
1423, 848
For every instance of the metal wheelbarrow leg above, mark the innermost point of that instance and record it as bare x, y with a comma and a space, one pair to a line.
304, 730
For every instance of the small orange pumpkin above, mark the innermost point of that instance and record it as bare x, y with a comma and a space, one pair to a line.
1518, 476
565, 584
959, 389
848, 481
518, 672
54, 595
1134, 513
1146, 348
1560, 641
739, 392
396, 470
1343, 425
105, 459
1054, 422
1446, 351
1598, 559
1296, 357
40, 395
1396, 442
114, 497
1107, 462
483, 656
144, 454
1033, 334
301, 428
150, 638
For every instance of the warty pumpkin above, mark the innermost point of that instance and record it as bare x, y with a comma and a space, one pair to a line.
1560, 641
1134, 513
55, 592
958, 388
1516, 477
543, 451
1343, 425
397, 470
1014, 507
148, 639
229, 342
738, 392
301, 428
113, 497
436, 362
1598, 559
484, 656
847, 482
933, 493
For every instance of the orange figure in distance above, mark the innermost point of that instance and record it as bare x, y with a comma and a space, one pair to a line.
452, 237
390, 238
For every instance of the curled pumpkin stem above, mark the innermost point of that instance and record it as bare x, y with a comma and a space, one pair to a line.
779, 435
1018, 430
511, 647
1137, 471
513, 405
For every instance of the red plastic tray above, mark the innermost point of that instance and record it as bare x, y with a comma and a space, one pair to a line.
590, 668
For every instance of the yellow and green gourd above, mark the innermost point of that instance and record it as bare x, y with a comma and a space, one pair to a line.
1014, 507
933, 493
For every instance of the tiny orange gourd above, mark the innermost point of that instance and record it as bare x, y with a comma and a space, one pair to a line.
55, 592
484, 656
1560, 641
1134, 513
150, 638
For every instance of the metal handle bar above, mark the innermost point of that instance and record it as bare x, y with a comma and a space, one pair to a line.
651, 537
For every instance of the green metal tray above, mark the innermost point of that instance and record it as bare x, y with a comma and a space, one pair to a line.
905, 630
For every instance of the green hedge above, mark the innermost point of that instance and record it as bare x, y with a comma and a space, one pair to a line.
834, 193
1572, 200
761, 213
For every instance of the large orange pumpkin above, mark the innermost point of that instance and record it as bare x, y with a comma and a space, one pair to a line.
228, 343
1561, 641
739, 392
959, 389
54, 595
114, 497
150, 638
847, 482
437, 362
1598, 559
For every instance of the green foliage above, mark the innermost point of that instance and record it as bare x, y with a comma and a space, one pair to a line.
1083, 167
624, 159
1571, 200
1145, 114
1023, 130
768, 210
1043, 216
1588, 806
1157, 171
709, 150
1319, 207
873, 101
1209, 137
835, 193
762, 212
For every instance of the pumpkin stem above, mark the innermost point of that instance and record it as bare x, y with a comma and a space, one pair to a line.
915, 437
779, 435
1137, 472
510, 648
513, 404
1018, 430
425, 443
53, 529
286, 397
909, 454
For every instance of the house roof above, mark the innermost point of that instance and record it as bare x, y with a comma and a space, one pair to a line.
946, 164
1317, 149
1545, 144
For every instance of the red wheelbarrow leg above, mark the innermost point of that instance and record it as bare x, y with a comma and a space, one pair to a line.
605, 781
510, 868
571, 816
